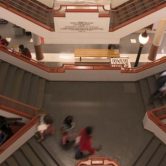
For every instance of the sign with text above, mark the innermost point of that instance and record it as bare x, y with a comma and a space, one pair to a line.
120, 61
82, 22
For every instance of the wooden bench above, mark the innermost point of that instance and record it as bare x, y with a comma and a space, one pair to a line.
96, 53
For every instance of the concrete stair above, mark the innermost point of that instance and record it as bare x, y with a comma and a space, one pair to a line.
32, 153
21, 85
154, 153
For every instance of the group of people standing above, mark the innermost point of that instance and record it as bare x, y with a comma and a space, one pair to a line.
24, 51
82, 141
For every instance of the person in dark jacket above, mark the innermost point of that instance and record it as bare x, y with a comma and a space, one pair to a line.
25, 51
3, 41
67, 138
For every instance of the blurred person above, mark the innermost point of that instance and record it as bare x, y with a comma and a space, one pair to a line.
3, 41
3, 137
84, 144
161, 87
45, 127
25, 51
67, 132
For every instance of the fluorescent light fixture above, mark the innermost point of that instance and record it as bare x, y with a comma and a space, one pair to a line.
66, 56
31, 40
133, 41
8, 39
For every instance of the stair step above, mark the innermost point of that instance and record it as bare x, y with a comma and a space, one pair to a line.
4, 164
17, 83
11, 161
32, 94
11, 76
163, 161
30, 154
149, 152
44, 155
158, 156
23, 96
40, 93
3, 74
19, 156
52, 152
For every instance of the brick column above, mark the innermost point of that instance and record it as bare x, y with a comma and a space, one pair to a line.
37, 46
157, 40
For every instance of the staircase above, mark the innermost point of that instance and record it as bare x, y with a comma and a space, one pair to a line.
31, 10
124, 14
21, 85
29, 88
33, 153
154, 153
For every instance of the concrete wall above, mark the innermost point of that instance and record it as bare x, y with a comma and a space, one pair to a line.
12, 115
49, 3
156, 130
116, 3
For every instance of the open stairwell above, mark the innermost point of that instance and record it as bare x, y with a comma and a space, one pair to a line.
29, 88
21, 85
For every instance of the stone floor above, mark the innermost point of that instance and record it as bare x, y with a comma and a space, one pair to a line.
115, 110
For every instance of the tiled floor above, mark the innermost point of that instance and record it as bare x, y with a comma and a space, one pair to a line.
107, 107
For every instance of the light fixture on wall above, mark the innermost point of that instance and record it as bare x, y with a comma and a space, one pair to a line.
143, 39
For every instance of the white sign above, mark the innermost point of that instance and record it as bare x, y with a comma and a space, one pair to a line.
82, 22
121, 61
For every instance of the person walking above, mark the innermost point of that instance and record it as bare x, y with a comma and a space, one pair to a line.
84, 146
68, 135
161, 87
